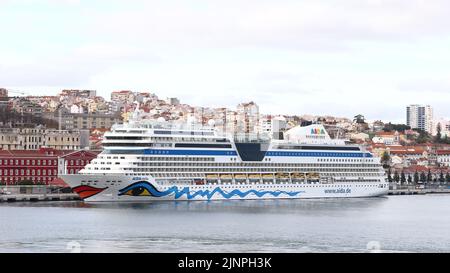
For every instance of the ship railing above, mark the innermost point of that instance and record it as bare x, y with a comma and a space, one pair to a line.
274, 177
251, 137
151, 124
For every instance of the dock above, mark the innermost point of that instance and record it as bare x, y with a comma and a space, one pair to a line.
406, 192
417, 191
39, 197
34, 193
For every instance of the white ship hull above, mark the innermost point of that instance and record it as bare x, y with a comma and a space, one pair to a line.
144, 190
151, 162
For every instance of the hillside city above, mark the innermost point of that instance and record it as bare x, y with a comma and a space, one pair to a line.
43, 136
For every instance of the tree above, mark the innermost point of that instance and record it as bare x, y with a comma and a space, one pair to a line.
445, 140
438, 137
389, 127
25, 182
447, 177
385, 159
409, 179
389, 175
441, 177
396, 177
423, 177
27, 120
423, 136
416, 177
429, 176
359, 119
403, 178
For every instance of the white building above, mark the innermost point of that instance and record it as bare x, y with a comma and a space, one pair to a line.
272, 126
265, 124
173, 101
35, 138
419, 116
443, 157
387, 138
247, 118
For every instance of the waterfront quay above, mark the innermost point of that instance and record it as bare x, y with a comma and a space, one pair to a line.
39, 197
420, 189
35, 193
45, 193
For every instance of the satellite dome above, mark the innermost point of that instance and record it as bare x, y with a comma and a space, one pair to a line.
211, 122
161, 119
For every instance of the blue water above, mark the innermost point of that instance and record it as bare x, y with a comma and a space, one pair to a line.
387, 224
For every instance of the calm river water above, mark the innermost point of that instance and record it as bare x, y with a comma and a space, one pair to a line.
387, 224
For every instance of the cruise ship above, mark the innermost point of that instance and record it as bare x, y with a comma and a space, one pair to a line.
150, 161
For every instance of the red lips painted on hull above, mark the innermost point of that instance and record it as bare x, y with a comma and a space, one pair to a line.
87, 191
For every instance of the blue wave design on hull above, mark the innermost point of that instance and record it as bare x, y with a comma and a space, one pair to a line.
138, 189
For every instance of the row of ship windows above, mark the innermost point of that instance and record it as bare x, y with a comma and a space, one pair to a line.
149, 139
111, 157
340, 154
102, 169
344, 160
107, 162
96, 181
363, 160
134, 144
194, 133
286, 185
260, 165
298, 185
178, 174
153, 158
278, 183
187, 139
181, 169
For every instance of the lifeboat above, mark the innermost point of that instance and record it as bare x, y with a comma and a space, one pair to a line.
212, 176
312, 176
240, 176
298, 175
282, 175
254, 176
226, 176
199, 182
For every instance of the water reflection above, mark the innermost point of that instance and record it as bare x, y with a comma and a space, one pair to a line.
302, 225
289, 206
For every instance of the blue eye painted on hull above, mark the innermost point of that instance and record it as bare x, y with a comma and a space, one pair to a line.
143, 188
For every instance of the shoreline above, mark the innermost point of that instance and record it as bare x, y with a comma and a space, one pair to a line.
61, 197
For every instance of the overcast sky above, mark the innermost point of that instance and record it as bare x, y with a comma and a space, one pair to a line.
291, 57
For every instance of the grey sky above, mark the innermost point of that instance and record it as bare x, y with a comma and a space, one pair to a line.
291, 57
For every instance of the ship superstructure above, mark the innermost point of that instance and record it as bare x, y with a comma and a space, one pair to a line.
146, 161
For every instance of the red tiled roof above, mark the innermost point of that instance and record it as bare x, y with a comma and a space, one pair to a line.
85, 153
379, 145
415, 168
382, 133
33, 153
412, 169
58, 182
405, 152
